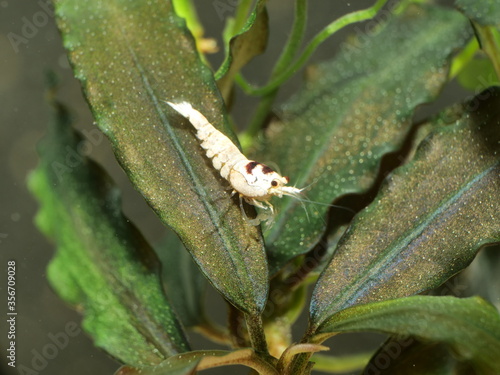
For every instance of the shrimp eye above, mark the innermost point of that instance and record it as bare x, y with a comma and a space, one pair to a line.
274, 183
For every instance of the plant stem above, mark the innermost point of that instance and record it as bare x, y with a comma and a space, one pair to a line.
489, 39
256, 332
287, 56
463, 58
240, 18
333, 27
258, 119
186, 10
234, 25
298, 365
295, 39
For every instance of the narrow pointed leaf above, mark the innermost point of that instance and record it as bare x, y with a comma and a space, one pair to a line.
429, 220
103, 265
243, 47
131, 56
469, 326
354, 110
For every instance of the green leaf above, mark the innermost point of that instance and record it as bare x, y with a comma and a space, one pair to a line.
428, 221
340, 364
485, 18
186, 9
130, 56
184, 283
484, 12
478, 75
354, 110
249, 42
469, 326
412, 357
199, 360
103, 265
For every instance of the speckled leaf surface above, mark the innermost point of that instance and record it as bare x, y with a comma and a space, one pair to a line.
428, 221
469, 326
354, 110
484, 12
130, 56
103, 265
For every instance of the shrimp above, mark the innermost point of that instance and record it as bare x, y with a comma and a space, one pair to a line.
254, 182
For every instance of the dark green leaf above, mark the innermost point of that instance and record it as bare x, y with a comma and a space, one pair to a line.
243, 47
354, 110
130, 56
484, 12
478, 75
429, 220
184, 283
412, 357
103, 265
469, 326
341, 363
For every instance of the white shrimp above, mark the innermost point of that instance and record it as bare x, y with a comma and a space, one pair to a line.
256, 183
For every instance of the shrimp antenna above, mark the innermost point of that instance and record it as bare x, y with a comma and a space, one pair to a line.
302, 200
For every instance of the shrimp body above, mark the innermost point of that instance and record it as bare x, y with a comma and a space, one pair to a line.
256, 183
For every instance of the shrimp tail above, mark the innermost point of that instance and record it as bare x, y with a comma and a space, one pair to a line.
186, 110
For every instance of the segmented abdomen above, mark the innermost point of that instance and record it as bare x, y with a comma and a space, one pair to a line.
219, 148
